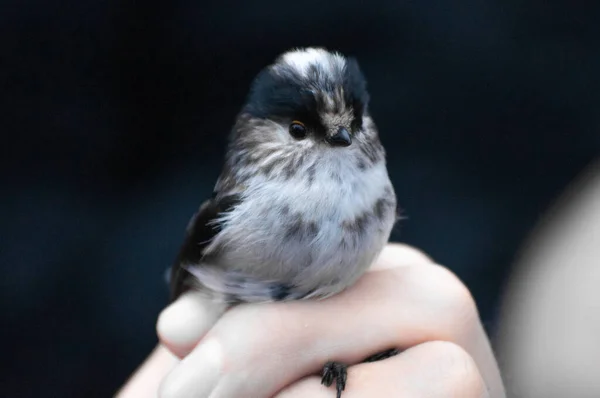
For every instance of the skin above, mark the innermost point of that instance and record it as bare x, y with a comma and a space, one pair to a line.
551, 316
277, 350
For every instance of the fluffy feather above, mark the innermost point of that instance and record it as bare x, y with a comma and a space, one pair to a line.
309, 217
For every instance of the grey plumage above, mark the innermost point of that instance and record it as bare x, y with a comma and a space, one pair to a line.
293, 217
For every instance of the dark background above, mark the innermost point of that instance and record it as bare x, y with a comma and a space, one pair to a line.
114, 117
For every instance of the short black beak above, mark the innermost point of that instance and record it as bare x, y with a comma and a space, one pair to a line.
341, 138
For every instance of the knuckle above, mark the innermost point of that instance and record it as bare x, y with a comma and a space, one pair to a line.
454, 308
456, 294
409, 254
169, 389
197, 374
256, 344
457, 369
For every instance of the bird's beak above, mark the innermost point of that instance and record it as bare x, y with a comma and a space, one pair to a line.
339, 138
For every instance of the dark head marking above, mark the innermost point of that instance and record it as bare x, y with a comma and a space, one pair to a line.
303, 83
280, 94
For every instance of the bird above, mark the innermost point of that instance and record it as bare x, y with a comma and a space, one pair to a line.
304, 203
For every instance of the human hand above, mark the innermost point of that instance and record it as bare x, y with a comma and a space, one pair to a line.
266, 350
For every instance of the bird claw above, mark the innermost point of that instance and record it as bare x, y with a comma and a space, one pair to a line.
335, 371
382, 355
338, 372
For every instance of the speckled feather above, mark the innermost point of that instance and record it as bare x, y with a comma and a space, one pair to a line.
293, 219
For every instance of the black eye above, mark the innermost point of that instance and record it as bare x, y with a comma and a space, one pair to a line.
297, 130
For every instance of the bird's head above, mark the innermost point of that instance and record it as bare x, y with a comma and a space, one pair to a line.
308, 107
310, 95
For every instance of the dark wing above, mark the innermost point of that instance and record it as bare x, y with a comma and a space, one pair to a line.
200, 231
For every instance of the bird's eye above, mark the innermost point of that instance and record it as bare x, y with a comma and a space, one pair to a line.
297, 130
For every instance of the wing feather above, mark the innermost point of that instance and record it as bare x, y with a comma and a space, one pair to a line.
201, 229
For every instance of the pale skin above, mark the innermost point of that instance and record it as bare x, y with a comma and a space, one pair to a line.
551, 316
277, 350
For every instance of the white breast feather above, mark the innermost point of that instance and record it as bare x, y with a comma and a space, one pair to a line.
256, 244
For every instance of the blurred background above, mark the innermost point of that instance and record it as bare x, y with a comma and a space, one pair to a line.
115, 115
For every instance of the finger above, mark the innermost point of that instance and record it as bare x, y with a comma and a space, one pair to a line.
146, 379
473, 336
399, 255
182, 324
434, 369
251, 348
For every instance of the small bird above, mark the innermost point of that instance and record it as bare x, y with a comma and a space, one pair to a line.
304, 203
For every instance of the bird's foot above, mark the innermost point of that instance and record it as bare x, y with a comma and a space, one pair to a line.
338, 372
382, 355
335, 371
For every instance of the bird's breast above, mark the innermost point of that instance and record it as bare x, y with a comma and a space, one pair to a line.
313, 230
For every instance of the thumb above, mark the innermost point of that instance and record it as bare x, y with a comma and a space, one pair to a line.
181, 325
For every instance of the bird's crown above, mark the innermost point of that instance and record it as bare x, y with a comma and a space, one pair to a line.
309, 81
